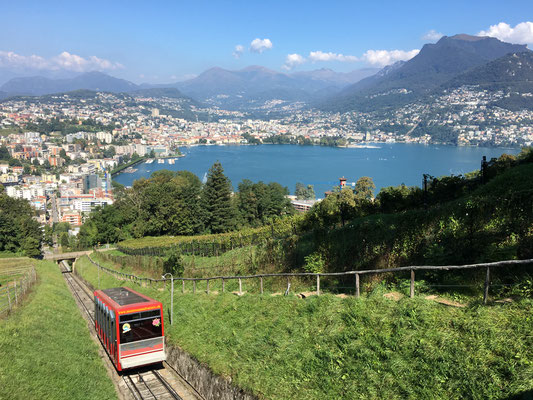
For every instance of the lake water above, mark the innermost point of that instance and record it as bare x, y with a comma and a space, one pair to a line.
389, 164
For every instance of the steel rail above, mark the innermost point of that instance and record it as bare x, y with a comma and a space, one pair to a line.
132, 387
170, 389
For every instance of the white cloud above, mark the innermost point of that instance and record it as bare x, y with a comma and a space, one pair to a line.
522, 33
321, 56
432, 35
259, 45
65, 60
237, 52
382, 58
292, 60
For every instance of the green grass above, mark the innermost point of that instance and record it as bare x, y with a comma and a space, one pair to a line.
327, 347
45, 347
236, 262
12, 269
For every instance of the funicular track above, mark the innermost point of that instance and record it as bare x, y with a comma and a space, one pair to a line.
143, 383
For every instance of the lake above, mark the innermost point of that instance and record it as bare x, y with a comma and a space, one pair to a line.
389, 164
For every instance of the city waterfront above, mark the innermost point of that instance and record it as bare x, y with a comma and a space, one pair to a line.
389, 164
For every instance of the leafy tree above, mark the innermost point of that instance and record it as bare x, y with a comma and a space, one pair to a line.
304, 193
220, 214
110, 152
19, 232
174, 264
258, 202
364, 188
314, 263
4, 153
346, 203
63, 240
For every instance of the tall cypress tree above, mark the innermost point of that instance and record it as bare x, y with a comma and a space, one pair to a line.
219, 210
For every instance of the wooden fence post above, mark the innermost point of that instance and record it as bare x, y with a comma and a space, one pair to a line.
357, 288
223, 285
8, 299
240, 286
16, 298
288, 286
317, 284
486, 291
194, 286
261, 279
207, 286
183, 286
412, 289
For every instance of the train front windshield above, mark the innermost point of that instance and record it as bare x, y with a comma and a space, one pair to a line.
140, 326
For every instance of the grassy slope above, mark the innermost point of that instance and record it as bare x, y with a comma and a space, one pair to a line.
45, 347
326, 348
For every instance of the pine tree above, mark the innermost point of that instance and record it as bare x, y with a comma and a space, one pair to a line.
219, 210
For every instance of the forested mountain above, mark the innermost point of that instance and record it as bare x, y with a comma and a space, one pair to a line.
234, 89
433, 66
512, 72
39, 85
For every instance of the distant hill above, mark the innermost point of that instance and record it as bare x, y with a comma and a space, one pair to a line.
252, 85
159, 92
38, 85
512, 72
434, 65
256, 84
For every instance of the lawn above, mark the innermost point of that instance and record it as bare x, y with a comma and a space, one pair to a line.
45, 347
329, 347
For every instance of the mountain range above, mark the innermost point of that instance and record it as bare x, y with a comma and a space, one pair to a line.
432, 67
216, 85
451, 62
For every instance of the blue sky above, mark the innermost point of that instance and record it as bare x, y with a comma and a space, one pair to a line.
163, 41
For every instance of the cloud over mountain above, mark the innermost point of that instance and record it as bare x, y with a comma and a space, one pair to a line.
322, 56
386, 57
63, 61
260, 45
237, 52
292, 60
432, 35
522, 33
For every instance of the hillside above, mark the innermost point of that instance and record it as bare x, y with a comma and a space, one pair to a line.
330, 347
463, 221
434, 65
512, 73
383, 344
45, 337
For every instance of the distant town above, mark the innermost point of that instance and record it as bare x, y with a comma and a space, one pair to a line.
63, 149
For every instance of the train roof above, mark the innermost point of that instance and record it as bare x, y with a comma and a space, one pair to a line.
124, 296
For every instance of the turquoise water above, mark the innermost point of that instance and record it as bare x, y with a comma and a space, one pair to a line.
387, 164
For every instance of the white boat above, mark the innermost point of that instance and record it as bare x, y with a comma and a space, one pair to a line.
161, 161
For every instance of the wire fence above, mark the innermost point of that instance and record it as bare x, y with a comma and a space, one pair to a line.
317, 277
12, 293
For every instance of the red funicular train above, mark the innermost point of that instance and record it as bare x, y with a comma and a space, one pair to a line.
130, 325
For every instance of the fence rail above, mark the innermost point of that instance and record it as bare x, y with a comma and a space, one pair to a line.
356, 274
12, 293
